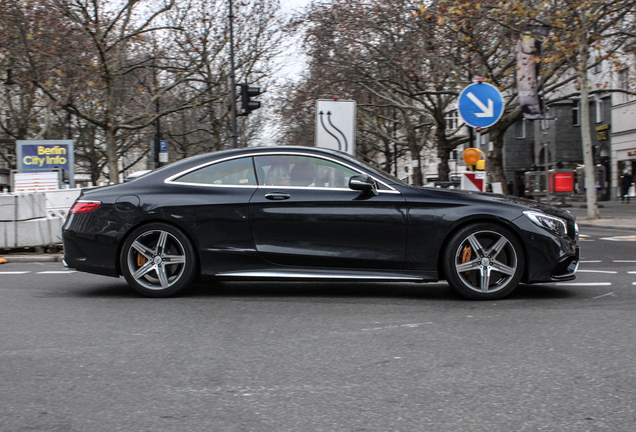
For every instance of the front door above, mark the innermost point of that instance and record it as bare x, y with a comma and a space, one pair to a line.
304, 214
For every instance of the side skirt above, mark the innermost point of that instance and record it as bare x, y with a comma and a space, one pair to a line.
329, 275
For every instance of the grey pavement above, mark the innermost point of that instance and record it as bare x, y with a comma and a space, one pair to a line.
614, 215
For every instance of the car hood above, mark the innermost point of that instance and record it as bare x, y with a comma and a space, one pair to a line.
522, 203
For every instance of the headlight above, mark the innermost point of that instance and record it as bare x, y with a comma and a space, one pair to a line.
551, 223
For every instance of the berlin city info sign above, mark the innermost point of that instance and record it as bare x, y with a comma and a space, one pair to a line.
46, 155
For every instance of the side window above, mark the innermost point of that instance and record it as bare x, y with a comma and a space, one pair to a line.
234, 172
281, 170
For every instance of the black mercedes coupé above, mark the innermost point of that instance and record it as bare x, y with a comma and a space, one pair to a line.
299, 213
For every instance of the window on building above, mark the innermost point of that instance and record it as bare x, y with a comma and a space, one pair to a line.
452, 120
598, 107
576, 119
623, 83
598, 68
520, 129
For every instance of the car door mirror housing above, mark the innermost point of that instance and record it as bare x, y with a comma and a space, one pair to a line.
363, 183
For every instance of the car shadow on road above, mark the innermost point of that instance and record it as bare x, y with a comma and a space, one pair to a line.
429, 291
113, 288
541, 292
290, 291
300, 290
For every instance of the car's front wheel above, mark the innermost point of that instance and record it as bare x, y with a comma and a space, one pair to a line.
158, 260
483, 261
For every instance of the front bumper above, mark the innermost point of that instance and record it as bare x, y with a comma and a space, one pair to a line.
549, 258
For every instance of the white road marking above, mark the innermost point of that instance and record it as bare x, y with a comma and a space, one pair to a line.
604, 295
631, 272
14, 272
57, 272
583, 283
597, 271
624, 261
397, 326
591, 261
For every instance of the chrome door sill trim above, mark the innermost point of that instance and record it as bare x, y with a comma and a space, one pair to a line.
290, 275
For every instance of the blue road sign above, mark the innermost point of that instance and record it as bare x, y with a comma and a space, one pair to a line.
163, 146
480, 105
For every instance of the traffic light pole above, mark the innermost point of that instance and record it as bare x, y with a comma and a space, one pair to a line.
233, 80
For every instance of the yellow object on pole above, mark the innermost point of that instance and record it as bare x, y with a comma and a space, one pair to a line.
476, 157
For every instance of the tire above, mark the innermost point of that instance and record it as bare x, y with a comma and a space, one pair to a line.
483, 261
158, 260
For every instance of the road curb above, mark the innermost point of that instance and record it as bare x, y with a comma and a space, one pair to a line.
609, 223
33, 258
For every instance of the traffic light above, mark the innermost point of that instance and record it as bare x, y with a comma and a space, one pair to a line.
247, 105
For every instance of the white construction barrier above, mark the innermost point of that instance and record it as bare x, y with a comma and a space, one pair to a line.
22, 206
29, 219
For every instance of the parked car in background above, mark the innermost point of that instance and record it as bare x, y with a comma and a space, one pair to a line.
136, 175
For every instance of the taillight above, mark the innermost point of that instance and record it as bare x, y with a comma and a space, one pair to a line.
84, 206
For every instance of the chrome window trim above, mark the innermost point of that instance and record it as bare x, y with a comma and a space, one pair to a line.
172, 178
212, 185
318, 188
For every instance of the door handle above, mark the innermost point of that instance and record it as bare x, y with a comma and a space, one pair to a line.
277, 196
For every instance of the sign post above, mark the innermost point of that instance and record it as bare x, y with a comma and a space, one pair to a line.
480, 105
163, 151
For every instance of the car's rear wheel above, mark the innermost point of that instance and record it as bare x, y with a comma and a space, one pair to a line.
158, 260
484, 261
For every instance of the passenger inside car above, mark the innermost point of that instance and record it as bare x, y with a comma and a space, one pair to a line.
303, 174
278, 175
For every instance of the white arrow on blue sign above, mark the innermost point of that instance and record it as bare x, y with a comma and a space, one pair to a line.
480, 105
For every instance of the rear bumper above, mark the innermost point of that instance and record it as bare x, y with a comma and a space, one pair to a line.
80, 254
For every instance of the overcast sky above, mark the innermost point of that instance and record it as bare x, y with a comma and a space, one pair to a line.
293, 4
293, 63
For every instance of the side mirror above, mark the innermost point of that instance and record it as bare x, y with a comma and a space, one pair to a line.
363, 183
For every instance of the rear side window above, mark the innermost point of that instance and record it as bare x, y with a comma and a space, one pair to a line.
234, 172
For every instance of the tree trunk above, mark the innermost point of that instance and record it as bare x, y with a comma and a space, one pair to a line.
417, 170
586, 136
443, 151
495, 161
111, 155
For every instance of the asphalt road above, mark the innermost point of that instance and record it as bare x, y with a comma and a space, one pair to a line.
81, 352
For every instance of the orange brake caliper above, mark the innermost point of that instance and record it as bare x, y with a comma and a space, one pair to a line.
141, 260
466, 254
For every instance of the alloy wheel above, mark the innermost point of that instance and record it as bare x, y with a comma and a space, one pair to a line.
156, 259
486, 261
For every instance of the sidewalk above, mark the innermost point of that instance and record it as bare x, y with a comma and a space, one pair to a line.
614, 215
